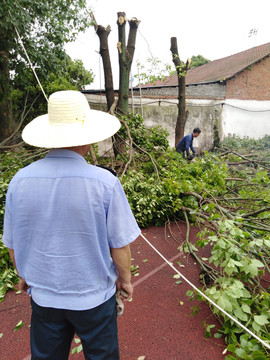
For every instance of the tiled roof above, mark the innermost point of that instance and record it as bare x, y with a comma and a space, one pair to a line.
221, 69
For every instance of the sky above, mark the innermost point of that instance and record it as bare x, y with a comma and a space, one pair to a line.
211, 28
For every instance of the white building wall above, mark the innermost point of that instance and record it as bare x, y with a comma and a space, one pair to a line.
246, 118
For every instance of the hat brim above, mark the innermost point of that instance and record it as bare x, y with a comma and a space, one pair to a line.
39, 132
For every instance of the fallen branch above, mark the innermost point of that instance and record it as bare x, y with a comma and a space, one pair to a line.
93, 155
234, 179
205, 267
256, 212
220, 208
130, 147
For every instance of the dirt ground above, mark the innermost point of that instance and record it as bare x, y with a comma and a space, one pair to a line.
157, 324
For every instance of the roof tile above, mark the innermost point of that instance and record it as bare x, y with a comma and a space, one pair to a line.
219, 70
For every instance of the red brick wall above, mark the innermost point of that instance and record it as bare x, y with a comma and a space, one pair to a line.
252, 83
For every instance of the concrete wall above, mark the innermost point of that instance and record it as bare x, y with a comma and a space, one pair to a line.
204, 114
239, 117
213, 117
206, 91
248, 118
203, 91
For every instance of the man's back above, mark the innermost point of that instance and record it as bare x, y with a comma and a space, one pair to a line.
184, 143
66, 217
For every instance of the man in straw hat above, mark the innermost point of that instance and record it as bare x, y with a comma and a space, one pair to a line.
68, 226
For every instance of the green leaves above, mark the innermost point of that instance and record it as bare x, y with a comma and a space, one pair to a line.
77, 349
44, 27
19, 325
154, 200
208, 328
261, 319
8, 274
247, 349
252, 267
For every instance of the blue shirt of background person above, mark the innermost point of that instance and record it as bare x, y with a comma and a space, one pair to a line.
186, 143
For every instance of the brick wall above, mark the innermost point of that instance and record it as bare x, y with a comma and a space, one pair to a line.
251, 84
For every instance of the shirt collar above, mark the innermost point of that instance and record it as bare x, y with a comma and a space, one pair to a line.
63, 153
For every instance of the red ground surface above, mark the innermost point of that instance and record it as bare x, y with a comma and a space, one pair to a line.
154, 326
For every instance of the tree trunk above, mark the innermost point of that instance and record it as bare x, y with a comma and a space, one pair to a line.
181, 69
125, 56
105, 55
103, 34
125, 60
6, 117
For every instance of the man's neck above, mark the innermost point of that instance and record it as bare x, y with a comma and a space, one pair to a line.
81, 149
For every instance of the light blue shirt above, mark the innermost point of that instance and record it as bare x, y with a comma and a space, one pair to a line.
62, 217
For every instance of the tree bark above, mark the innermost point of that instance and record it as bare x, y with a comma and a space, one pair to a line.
103, 34
125, 55
181, 69
6, 116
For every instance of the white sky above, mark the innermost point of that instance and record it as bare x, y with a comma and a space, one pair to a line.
211, 28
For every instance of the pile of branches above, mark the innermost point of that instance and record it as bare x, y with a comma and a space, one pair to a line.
236, 224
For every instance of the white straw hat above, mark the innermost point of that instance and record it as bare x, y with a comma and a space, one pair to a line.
69, 122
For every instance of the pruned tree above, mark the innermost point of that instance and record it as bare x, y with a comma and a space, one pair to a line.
103, 34
125, 55
181, 69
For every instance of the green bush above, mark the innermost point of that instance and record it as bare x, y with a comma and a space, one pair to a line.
157, 197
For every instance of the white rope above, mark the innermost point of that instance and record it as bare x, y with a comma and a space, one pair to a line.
207, 298
29, 61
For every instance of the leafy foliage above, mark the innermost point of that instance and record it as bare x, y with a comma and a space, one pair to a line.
154, 139
8, 274
44, 27
153, 71
71, 75
10, 163
198, 61
237, 143
154, 201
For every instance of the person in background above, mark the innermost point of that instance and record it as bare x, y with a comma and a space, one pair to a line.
68, 226
186, 143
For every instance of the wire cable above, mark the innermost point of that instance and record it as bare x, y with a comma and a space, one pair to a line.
28, 59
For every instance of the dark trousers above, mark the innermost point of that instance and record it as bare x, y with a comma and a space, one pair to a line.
52, 331
180, 151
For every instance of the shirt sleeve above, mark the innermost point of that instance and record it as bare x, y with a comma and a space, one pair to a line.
192, 148
8, 233
122, 228
188, 144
